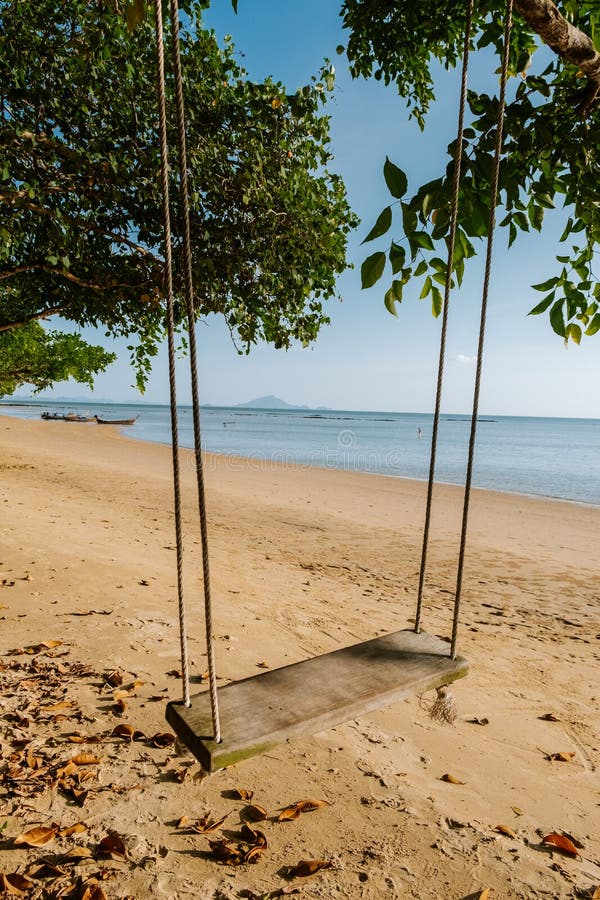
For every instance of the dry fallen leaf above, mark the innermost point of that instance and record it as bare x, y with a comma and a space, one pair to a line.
243, 794
124, 731
84, 738
504, 829
223, 852
59, 707
517, 810
162, 739
38, 836
308, 867
289, 813
15, 884
69, 769
562, 843
183, 821
47, 870
78, 795
566, 756
120, 695
253, 837
206, 824
112, 846
90, 612
254, 813
93, 891
114, 678
301, 806
310, 805
549, 717
254, 854
262, 665
77, 828
79, 853
86, 759
451, 779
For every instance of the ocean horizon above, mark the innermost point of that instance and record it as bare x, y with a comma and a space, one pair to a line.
556, 458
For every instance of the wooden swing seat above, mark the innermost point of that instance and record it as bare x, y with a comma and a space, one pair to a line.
306, 697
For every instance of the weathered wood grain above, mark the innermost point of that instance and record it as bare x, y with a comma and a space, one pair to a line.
313, 695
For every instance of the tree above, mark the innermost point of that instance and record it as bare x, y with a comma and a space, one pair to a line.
551, 151
80, 210
31, 355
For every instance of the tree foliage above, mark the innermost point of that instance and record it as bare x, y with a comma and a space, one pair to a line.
80, 209
31, 355
551, 150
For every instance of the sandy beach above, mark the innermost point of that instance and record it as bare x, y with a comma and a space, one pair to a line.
303, 561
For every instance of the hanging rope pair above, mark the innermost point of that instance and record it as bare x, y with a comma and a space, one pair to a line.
484, 302
170, 321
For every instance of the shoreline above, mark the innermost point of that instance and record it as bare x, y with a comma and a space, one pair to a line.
322, 446
302, 562
305, 466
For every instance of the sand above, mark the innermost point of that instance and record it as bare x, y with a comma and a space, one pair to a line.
303, 561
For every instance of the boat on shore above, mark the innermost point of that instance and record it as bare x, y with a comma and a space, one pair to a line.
66, 417
115, 421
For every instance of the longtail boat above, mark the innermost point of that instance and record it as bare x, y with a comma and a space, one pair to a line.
116, 421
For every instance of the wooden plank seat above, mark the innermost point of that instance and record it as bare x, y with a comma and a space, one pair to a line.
306, 697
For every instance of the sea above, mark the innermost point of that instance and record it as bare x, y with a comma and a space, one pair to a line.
543, 457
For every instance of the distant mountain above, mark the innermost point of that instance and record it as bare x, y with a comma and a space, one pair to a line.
268, 402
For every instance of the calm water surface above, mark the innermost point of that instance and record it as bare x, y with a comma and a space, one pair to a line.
557, 458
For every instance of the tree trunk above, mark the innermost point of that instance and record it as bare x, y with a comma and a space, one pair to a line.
573, 45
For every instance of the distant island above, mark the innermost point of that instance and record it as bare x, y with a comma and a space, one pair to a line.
271, 402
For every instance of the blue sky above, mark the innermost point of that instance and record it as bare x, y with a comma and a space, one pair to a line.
367, 359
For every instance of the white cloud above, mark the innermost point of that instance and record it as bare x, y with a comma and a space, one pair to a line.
465, 360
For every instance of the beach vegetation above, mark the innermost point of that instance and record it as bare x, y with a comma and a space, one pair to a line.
551, 146
32, 355
81, 232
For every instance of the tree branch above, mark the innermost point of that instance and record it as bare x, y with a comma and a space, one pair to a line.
11, 198
64, 273
44, 314
569, 42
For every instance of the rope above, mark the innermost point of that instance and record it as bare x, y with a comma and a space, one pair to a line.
191, 320
168, 287
447, 289
484, 301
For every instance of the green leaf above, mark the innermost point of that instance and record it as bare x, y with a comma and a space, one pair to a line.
546, 285
383, 223
426, 288
390, 302
234, 3
437, 301
421, 268
567, 231
557, 319
397, 257
409, 219
543, 306
395, 179
594, 326
372, 269
422, 239
573, 331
